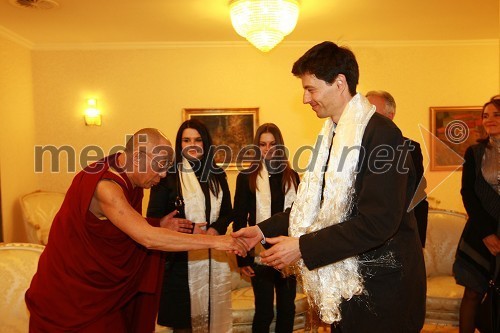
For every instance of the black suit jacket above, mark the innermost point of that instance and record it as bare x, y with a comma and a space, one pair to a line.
421, 210
379, 228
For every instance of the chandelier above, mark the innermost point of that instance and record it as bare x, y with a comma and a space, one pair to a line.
264, 23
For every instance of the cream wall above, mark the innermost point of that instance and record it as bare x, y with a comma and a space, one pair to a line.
150, 87
424, 75
17, 134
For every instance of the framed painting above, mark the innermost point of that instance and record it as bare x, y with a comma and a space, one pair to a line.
231, 129
453, 129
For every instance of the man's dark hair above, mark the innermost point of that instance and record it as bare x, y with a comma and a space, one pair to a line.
326, 61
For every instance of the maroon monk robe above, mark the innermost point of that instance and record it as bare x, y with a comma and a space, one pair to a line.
92, 277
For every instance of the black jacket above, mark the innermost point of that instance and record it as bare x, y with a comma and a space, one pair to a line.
482, 204
175, 308
379, 227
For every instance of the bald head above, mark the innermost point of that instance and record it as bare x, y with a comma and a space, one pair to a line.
147, 140
383, 101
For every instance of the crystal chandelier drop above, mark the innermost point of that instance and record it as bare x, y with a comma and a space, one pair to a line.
264, 23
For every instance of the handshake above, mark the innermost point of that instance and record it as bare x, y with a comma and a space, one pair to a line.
285, 250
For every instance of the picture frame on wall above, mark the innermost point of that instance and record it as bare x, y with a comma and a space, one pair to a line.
231, 129
453, 130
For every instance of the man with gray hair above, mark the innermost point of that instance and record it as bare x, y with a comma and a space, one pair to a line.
385, 103
386, 106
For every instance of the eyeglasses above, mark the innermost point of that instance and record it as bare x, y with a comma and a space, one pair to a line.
160, 166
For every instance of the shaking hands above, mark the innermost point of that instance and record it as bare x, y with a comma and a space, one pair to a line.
285, 250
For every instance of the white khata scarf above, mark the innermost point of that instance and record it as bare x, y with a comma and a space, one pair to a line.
327, 286
263, 199
263, 196
209, 276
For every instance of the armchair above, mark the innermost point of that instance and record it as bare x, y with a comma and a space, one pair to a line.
38, 210
443, 294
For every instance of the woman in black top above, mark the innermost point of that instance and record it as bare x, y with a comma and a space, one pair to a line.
266, 188
196, 295
479, 246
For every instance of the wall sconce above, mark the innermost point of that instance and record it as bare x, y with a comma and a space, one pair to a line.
92, 113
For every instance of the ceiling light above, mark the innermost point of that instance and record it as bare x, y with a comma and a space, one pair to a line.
35, 4
264, 23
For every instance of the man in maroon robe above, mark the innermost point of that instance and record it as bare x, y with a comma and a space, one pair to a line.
99, 271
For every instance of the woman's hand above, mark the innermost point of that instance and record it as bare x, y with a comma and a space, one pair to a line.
247, 271
176, 224
212, 232
492, 242
198, 228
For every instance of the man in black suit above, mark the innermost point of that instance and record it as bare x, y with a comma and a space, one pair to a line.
386, 106
357, 223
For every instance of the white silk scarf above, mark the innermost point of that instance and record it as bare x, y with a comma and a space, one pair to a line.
318, 206
209, 274
263, 196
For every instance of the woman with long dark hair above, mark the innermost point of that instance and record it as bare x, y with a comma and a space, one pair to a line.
196, 295
268, 187
479, 246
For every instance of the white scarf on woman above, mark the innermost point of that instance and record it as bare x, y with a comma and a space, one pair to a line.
327, 286
263, 200
208, 270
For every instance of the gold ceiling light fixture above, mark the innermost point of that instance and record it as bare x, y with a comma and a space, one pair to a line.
264, 23
35, 4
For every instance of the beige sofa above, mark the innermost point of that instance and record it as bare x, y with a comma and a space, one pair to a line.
18, 264
443, 294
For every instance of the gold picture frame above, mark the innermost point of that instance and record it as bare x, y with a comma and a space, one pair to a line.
453, 130
231, 129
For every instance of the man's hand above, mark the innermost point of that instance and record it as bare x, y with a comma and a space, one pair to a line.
247, 270
249, 236
176, 224
492, 242
230, 244
284, 252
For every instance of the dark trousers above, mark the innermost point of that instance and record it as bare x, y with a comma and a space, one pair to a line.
265, 281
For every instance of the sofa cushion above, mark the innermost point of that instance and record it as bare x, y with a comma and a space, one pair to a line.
443, 299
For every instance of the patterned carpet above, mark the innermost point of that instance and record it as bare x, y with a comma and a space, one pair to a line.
428, 328
434, 328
